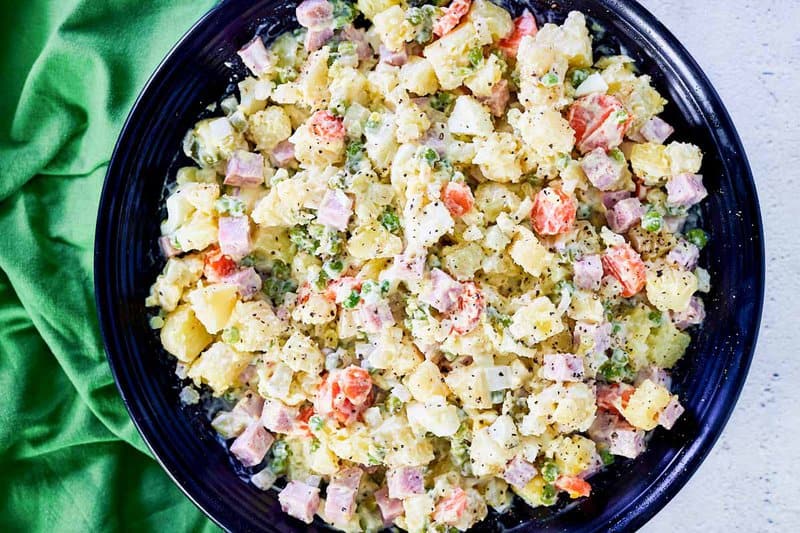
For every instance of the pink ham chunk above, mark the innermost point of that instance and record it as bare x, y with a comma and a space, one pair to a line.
405, 267
657, 375
601, 169
620, 437
340, 503
443, 292
283, 154
685, 254
656, 130
278, 417
562, 367
359, 37
335, 209
314, 14
247, 282
519, 472
624, 215
671, 413
316, 38
375, 317
685, 190
396, 59
390, 508
611, 198
299, 500
626, 442
405, 481
167, 250
498, 99
691, 316
245, 169
250, 405
596, 335
255, 56
588, 271
251, 446
234, 236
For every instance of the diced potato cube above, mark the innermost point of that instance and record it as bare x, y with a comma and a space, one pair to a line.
213, 305
257, 325
573, 454
198, 233
268, 127
417, 76
645, 404
529, 253
669, 288
486, 456
470, 117
684, 157
302, 354
183, 335
650, 161
393, 28
426, 381
471, 387
219, 367
666, 344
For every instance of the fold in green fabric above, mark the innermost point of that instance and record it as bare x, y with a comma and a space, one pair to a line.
70, 458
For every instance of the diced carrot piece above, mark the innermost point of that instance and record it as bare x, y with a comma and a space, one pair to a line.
452, 16
524, 25
575, 486
626, 265
457, 198
553, 212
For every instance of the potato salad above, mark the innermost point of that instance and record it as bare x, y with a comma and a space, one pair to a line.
432, 257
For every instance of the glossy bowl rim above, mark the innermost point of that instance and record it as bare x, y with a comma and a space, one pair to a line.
642, 506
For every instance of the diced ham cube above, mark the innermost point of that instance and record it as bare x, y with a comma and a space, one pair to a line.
283, 154
405, 267
443, 291
691, 316
671, 413
624, 215
251, 446
245, 169
375, 317
247, 282
316, 38
390, 508
498, 99
314, 14
620, 437
167, 250
359, 37
255, 56
562, 367
598, 335
234, 236
468, 309
519, 472
626, 442
340, 503
588, 271
685, 254
657, 375
299, 500
390, 57
335, 209
685, 190
611, 198
278, 417
656, 130
405, 481
601, 169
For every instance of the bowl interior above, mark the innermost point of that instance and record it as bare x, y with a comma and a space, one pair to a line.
195, 74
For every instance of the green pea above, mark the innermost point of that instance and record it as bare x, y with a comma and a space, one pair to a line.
652, 221
698, 237
550, 471
352, 300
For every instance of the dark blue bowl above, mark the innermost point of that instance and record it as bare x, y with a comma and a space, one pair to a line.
127, 261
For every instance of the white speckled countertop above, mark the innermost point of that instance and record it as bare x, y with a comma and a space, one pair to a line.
751, 480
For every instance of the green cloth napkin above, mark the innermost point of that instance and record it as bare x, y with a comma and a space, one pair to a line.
70, 458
